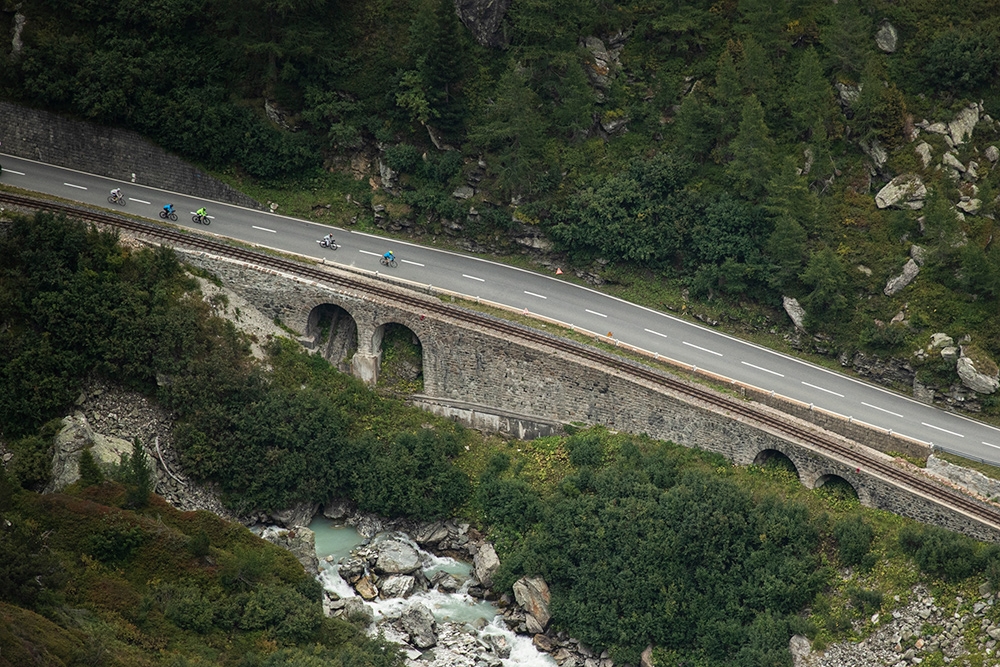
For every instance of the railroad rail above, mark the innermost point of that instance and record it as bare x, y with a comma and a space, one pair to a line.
748, 412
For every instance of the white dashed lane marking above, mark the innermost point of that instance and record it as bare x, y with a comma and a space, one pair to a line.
264, 229
406, 261
140, 201
78, 187
11, 171
594, 312
533, 294
822, 389
703, 349
761, 368
943, 430
464, 275
875, 407
656, 333
367, 252
989, 444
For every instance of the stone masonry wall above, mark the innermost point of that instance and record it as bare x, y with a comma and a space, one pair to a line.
467, 365
47, 137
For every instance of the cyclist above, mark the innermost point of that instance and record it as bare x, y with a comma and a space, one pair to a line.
202, 213
388, 256
168, 209
117, 193
328, 240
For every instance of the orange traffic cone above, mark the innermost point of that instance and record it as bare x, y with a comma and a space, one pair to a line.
558, 271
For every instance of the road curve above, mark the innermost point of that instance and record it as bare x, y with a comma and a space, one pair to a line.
546, 295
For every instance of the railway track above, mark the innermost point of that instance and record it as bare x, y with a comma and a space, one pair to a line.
747, 411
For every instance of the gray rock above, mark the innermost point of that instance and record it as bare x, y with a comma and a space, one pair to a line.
432, 533
486, 564
397, 586
992, 153
601, 65
298, 515
876, 152
337, 509
994, 633
941, 340
418, 622
75, 436
905, 191
500, 645
950, 353
356, 611
949, 160
973, 379
299, 541
965, 120
897, 283
918, 254
847, 95
923, 149
351, 570
532, 593
971, 206
449, 583
646, 659
463, 192
396, 558
887, 37
937, 128
795, 311
484, 19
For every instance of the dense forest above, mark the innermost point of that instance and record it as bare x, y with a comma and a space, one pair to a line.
642, 542
727, 150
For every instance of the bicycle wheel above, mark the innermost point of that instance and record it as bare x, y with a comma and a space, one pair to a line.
205, 219
112, 199
196, 219
163, 214
173, 217
392, 263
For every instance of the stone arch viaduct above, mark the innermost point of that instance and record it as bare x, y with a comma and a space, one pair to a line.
477, 375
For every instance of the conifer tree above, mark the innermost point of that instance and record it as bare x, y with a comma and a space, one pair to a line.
879, 112
826, 276
757, 74
90, 473
728, 94
752, 151
137, 475
811, 101
847, 36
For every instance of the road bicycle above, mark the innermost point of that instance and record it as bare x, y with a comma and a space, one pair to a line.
332, 245
116, 199
387, 262
171, 215
201, 219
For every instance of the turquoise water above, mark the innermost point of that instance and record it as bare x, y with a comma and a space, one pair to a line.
333, 539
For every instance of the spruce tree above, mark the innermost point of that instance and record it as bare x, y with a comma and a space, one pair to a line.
752, 151
826, 276
90, 473
728, 94
811, 101
757, 74
137, 475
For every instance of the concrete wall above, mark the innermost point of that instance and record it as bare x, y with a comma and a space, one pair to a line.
466, 367
46, 137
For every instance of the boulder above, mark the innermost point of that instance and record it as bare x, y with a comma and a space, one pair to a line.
75, 436
398, 586
486, 564
979, 374
646, 659
298, 515
366, 588
949, 160
949, 353
905, 191
500, 645
449, 583
300, 542
937, 128
351, 570
897, 283
923, 149
532, 593
484, 19
431, 533
543, 643
887, 38
847, 95
918, 254
600, 69
338, 509
795, 311
396, 558
463, 192
971, 206
965, 120
941, 340
876, 152
992, 153
357, 611
418, 622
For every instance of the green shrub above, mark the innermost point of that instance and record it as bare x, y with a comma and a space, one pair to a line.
940, 552
198, 544
115, 541
90, 472
854, 539
586, 449
187, 608
865, 601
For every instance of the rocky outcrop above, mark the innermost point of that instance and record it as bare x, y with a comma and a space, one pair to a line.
486, 564
418, 622
532, 593
75, 436
16, 43
887, 38
300, 541
973, 480
297, 515
964, 122
484, 19
398, 586
905, 191
924, 151
897, 283
992, 153
795, 311
977, 372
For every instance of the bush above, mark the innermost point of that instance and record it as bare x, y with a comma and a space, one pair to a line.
199, 544
854, 539
187, 608
865, 601
940, 552
586, 449
116, 541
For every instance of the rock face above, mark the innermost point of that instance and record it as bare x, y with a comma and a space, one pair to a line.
600, 69
905, 191
486, 564
419, 625
298, 515
965, 120
897, 283
484, 19
532, 593
301, 542
973, 378
795, 311
75, 436
800, 648
887, 38
923, 149
396, 558
973, 480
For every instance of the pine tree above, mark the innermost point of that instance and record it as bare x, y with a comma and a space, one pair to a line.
847, 36
693, 128
826, 276
137, 475
757, 74
786, 251
880, 111
752, 151
90, 473
811, 101
728, 93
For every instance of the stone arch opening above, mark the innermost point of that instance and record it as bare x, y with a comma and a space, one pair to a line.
401, 358
836, 486
777, 459
333, 332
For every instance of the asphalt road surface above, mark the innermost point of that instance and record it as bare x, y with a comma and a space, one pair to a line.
545, 295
